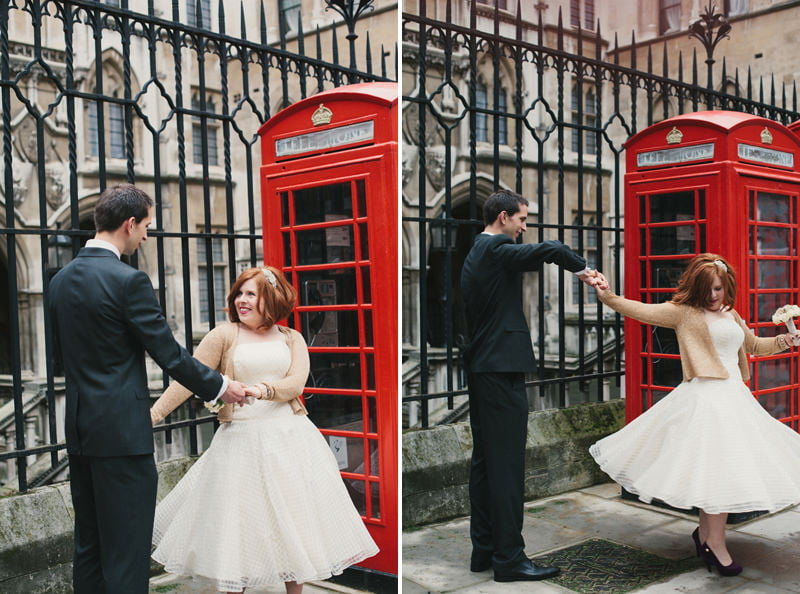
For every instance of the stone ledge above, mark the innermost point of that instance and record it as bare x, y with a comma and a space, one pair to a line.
36, 534
436, 461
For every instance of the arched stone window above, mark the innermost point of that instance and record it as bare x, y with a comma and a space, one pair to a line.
587, 119
113, 113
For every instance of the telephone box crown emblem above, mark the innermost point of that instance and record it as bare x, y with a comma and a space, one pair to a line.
766, 136
674, 136
321, 116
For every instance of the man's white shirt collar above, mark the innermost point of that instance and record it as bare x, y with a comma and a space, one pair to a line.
99, 243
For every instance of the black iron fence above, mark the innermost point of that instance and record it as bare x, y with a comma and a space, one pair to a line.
496, 99
95, 93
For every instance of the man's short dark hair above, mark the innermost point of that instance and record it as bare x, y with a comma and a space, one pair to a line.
502, 200
119, 203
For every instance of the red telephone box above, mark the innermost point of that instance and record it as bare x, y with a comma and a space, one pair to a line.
722, 182
329, 206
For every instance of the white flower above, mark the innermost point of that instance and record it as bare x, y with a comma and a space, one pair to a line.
215, 407
785, 314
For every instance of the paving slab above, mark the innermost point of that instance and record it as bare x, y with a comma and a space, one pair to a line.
781, 569
492, 587
699, 581
409, 587
542, 535
595, 516
760, 589
782, 527
438, 560
605, 490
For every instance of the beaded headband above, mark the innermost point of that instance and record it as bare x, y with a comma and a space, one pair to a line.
270, 276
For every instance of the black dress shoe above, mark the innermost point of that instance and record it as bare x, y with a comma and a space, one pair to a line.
525, 571
480, 563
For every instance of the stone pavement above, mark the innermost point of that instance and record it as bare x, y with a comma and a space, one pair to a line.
436, 557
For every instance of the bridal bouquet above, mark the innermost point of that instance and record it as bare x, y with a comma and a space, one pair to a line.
215, 407
786, 315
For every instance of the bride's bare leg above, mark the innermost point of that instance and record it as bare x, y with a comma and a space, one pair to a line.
712, 532
293, 587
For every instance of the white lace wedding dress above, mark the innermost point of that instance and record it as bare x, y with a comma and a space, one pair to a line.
707, 444
265, 504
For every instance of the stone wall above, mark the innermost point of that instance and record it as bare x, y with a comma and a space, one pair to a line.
436, 461
36, 534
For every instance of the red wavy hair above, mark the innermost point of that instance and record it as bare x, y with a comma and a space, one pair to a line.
274, 303
694, 286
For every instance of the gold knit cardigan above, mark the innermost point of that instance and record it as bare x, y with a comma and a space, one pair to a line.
216, 350
699, 358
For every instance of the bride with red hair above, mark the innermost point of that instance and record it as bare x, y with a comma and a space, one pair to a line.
708, 444
287, 517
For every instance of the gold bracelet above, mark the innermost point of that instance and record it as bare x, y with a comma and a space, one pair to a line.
266, 391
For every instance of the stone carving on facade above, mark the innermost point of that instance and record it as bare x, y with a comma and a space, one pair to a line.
26, 140
56, 174
55, 192
435, 166
22, 173
409, 155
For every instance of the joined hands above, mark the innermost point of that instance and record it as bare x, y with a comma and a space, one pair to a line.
235, 394
596, 279
241, 394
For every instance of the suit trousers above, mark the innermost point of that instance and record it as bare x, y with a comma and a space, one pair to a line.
499, 422
115, 501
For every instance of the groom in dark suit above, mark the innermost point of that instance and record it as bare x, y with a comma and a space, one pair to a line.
498, 356
106, 315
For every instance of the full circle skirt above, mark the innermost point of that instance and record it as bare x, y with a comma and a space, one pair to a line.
710, 445
264, 505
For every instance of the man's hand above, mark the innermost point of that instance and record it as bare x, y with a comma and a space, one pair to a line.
593, 278
235, 393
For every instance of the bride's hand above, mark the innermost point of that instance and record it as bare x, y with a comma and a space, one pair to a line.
251, 394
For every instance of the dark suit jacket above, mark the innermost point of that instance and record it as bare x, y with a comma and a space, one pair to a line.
491, 283
105, 315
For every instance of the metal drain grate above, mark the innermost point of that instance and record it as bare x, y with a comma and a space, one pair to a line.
597, 566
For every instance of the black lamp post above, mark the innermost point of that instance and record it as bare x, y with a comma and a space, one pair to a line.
59, 250
439, 234
710, 29
350, 11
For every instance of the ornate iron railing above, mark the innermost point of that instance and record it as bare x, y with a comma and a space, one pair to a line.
97, 93
493, 98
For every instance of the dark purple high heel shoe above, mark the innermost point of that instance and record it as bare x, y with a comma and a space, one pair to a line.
711, 559
696, 539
